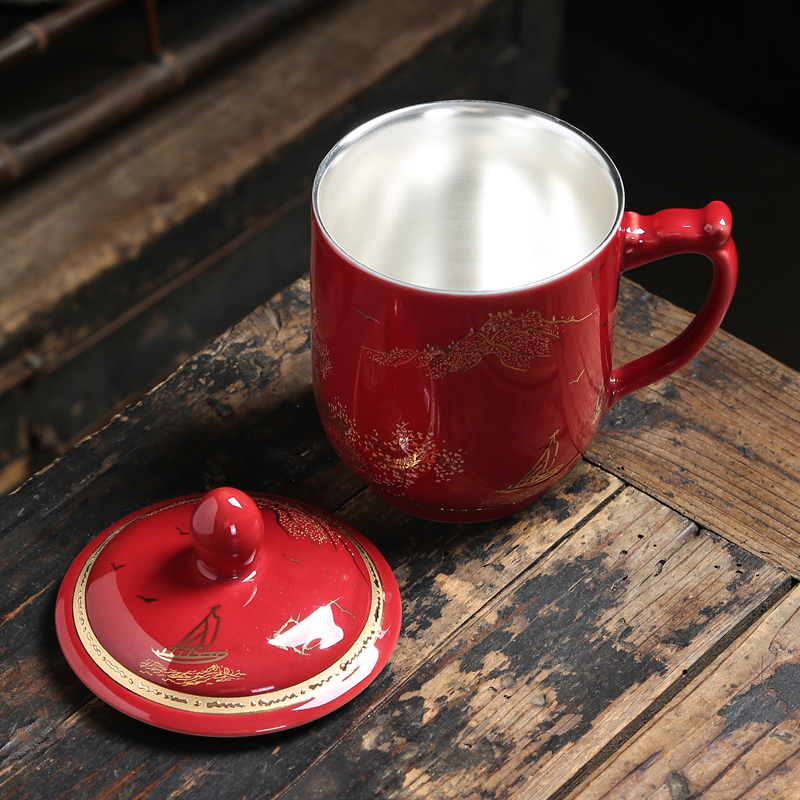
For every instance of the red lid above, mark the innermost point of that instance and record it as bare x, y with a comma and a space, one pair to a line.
227, 614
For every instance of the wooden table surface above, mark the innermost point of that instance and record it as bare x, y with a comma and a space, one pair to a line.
631, 635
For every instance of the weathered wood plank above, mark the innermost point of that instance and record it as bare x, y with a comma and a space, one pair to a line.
589, 611
242, 412
557, 667
63, 405
733, 732
241, 233
485, 559
215, 147
446, 574
603, 630
719, 440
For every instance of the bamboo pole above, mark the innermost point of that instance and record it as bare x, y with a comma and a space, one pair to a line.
152, 29
35, 36
141, 86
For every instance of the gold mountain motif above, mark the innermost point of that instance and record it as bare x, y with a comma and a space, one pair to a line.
214, 673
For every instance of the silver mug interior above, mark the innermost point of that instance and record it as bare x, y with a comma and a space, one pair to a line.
468, 196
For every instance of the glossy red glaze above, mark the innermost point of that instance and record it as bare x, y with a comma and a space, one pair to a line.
227, 530
671, 232
469, 406
154, 632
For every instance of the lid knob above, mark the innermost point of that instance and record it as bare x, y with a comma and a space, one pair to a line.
226, 529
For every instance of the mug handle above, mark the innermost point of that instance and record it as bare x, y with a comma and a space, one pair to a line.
677, 230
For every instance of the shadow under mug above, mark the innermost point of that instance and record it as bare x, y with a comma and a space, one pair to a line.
464, 278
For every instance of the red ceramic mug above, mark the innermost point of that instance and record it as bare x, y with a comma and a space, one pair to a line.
464, 278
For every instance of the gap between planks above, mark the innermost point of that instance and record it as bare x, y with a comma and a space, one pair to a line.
730, 734
772, 588
445, 643
662, 699
727, 642
613, 491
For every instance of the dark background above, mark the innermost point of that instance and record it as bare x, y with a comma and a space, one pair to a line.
697, 102
692, 100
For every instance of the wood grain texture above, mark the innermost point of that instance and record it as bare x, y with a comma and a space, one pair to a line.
111, 201
532, 647
719, 441
560, 663
248, 143
734, 732
446, 573
239, 413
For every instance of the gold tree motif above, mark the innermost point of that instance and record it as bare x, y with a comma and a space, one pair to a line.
394, 461
300, 522
515, 341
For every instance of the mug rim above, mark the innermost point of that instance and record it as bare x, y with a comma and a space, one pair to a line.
418, 110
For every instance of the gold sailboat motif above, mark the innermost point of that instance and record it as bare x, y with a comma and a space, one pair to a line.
543, 470
194, 648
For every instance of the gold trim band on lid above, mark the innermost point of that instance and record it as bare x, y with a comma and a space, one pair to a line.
245, 704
